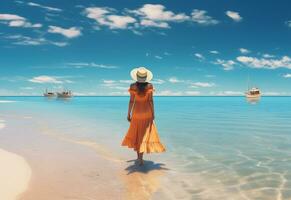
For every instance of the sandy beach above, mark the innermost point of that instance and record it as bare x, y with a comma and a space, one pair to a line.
15, 173
63, 168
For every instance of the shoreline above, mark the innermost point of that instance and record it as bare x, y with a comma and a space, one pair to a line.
66, 168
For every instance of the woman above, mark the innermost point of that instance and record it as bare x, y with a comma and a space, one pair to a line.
142, 134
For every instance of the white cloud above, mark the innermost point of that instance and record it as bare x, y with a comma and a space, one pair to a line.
266, 63
175, 80
287, 75
118, 93
210, 76
235, 16
275, 93
288, 23
92, 64
10, 17
119, 22
44, 7
103, 66
137, 32
126, 81
244, 51
45, 79
158, 57
109, 81
226, 64
18, 21
228, 93
156, 15
157, 12
103, 16
27, 88
146, 22
214, 52
69, 33
117, 84
28, 41
198, 55
59, 44
202, 84
168, 93
268, 56
85, 93
25, 24
157, 81
201, 17
97, 13
192, 93
120, 88
121, 82
149, 15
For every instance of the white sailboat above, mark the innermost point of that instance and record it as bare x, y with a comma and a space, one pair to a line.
253, 93
48, 94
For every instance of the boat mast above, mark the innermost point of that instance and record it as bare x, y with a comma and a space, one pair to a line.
248, 82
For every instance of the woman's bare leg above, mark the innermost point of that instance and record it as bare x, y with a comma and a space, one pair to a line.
141, 159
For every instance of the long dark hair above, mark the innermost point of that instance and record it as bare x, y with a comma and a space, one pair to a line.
141, 87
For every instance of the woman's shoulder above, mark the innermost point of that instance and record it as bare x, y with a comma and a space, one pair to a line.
132, 87
150, 87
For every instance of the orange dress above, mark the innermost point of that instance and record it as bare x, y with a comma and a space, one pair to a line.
142, 134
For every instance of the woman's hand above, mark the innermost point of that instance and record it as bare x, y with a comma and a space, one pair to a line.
128, 118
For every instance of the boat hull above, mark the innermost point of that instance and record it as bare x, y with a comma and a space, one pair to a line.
253, 96
49, 95
60, 95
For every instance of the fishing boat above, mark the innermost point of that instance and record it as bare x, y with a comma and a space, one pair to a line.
48, 94
253, 93
65, 94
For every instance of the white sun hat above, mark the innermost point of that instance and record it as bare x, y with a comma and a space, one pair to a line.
141, 74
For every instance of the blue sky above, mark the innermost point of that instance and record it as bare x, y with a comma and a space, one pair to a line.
198, 47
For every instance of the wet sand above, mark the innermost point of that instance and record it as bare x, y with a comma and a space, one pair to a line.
63, 168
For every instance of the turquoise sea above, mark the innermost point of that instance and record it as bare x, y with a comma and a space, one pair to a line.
217, 147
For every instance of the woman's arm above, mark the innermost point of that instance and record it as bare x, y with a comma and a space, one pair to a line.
152, 104
130, 106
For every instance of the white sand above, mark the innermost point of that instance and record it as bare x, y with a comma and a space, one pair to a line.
14, 175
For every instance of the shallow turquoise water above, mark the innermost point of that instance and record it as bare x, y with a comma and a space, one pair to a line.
231, 148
